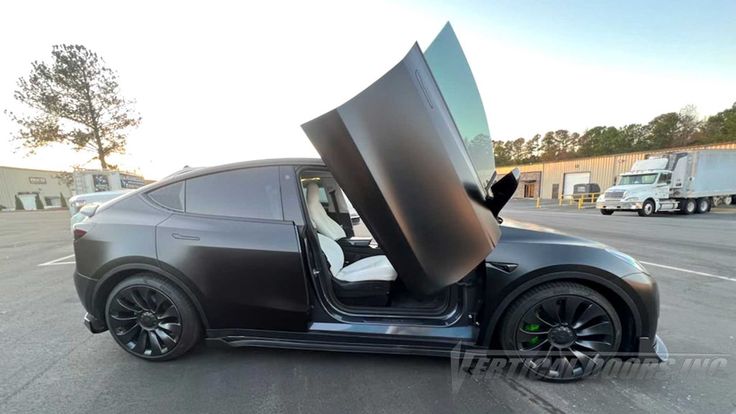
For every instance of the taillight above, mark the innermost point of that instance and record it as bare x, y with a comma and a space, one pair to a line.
79, 233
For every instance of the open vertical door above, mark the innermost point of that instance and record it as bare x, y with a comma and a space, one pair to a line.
413, 154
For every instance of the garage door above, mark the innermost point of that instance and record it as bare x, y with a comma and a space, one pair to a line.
571, 179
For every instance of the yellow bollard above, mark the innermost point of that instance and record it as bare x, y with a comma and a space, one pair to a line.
580, 203
538, 204
560, 200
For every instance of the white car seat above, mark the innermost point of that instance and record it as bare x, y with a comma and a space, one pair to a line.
369, 269
322, 222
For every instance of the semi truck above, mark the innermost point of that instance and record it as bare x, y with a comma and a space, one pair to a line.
683, 182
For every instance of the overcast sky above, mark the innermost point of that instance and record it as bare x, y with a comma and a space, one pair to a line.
218, 82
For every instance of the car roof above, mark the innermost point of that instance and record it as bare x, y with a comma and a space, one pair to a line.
196, 172
199, 171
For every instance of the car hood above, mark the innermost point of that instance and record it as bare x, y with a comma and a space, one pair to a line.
517, 231
532, 246
413, 154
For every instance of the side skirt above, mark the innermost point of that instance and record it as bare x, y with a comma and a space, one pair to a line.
337, 343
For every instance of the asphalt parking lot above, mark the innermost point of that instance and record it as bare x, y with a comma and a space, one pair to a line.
50, 363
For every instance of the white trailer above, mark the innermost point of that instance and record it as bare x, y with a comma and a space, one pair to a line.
686, 182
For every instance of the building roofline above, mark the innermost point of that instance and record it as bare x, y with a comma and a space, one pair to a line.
618, 154
30, 169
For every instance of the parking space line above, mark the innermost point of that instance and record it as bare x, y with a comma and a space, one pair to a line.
59, 261
679, 269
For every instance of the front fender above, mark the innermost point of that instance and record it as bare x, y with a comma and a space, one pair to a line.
543, 256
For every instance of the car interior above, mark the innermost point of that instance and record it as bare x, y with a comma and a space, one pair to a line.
360, 274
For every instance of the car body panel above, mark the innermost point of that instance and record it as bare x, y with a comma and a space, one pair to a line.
398, 156
288, 311
539, 255
252, 282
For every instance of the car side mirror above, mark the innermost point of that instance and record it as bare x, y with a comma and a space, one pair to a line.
502, 191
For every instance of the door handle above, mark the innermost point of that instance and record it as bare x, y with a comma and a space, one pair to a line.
184, 237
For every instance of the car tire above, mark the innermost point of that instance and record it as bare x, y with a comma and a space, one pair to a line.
647, 208
703, 205
152, 318
606, 212
688, 206
571, 323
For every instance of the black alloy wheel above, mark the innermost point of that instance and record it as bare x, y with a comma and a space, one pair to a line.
150, 318
563, 331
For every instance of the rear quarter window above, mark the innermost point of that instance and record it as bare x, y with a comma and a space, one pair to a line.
170, 196
247, 193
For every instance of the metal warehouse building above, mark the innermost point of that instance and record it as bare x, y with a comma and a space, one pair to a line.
555, 179
36, 188
27, 184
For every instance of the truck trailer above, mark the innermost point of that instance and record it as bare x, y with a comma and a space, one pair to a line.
684, 182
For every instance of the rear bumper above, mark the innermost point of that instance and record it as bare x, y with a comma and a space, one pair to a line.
618, 205
85, 290
93, 324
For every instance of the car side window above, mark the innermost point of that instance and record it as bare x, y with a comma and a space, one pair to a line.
247, 193
170, 196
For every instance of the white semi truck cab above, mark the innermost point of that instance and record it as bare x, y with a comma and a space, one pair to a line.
686, 182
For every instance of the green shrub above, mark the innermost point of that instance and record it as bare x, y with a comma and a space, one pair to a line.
39, 203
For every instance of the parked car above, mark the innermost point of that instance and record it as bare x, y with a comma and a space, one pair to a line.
249, 254
685, 182
585, 191
78, 202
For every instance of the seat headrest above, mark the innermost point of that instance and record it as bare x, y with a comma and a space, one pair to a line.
320, 219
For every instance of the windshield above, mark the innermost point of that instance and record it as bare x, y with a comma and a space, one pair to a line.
637, 179
454, 78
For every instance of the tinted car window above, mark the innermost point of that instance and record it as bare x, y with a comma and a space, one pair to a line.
250, 192
455, 80
170, 196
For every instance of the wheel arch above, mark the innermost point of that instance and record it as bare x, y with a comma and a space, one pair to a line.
123, 268
631, 318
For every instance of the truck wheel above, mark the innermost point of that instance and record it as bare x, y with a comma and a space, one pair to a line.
606, 212
647, 209
688, 206
703, 205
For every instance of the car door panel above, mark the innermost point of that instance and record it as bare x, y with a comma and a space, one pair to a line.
401, 160
249, 272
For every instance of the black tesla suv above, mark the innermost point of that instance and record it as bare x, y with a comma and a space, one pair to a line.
264, 253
